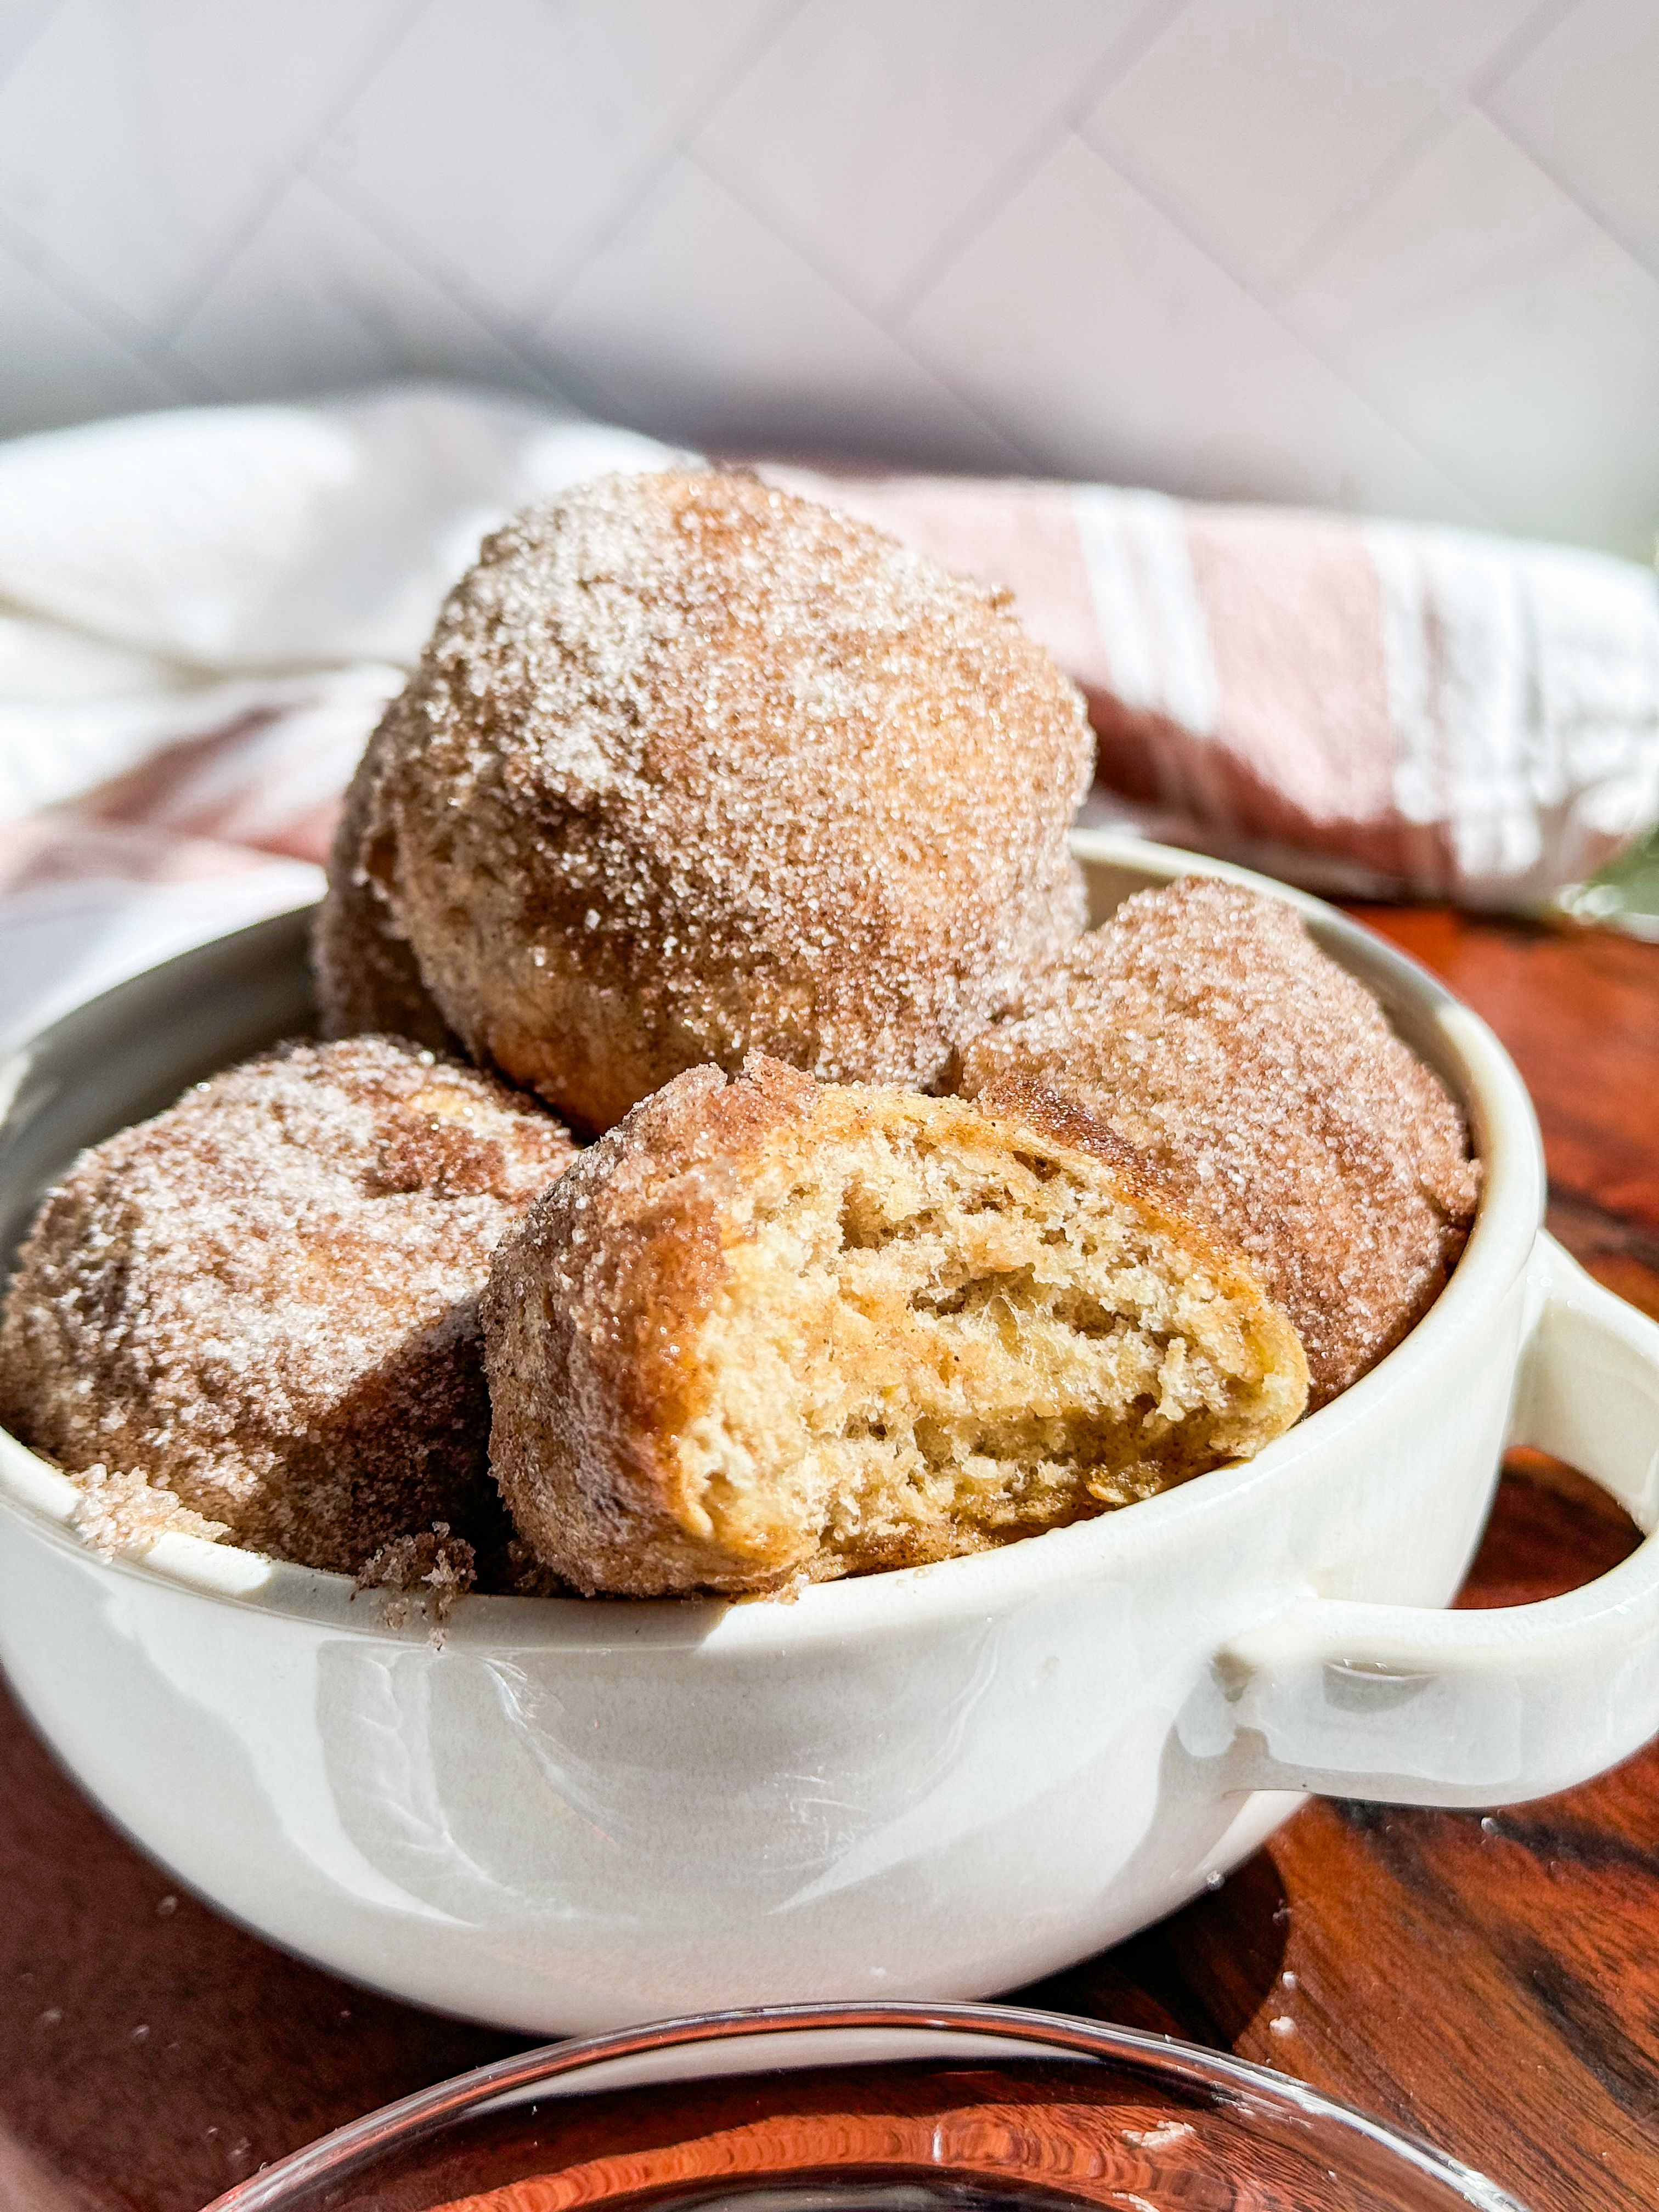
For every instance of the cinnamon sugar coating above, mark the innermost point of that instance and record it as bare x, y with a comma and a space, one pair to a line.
692, 767
1206, 1027
265, 1300
767, 1330
367, 982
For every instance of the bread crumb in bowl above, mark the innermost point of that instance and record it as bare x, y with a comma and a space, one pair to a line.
119, 1511
433, 1567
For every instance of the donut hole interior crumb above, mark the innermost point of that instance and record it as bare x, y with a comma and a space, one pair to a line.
925, 1348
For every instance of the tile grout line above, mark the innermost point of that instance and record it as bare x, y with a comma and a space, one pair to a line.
1276, 311
1474, 98
783, 237
545, 302
1469, 99
298, 163
965, 228
1328, 237
545, 299
546, 359
1525, 40
1645, 255
112, 323
592, 401
370, 212
1393, 169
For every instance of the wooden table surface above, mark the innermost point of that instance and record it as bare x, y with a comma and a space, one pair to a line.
1492, 1982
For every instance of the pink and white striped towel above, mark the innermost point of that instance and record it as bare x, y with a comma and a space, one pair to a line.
201, 614
1376, 708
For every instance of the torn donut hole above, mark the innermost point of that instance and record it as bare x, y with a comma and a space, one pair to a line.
770, 1331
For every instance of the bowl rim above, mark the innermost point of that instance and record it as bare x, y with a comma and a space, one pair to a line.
423, 2112
1507, 1222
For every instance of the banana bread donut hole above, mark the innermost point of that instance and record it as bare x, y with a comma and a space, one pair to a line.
767, 1330
1205, 1026
692, 767
264, 1302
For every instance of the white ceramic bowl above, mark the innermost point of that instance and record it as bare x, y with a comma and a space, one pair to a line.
576, 1815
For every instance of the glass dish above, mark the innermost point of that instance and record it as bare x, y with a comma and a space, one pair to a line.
868, 2108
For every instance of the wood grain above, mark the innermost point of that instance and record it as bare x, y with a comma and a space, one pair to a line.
1490, 1982
1579, 1012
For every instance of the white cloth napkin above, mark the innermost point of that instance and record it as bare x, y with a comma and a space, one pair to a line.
202, 614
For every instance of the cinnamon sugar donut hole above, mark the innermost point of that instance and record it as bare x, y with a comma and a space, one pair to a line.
768, 1331
264, 1302
1204, 1025
692, 767
367, 978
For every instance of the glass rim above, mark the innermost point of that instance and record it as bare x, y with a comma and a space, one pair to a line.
408, 2118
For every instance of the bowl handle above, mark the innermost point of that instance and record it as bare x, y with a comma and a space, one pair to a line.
1413, 1706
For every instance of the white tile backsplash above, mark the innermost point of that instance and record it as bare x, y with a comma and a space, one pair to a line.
315, 300
1402, 259
139, 138
588, 102
1268, 119
1114, 346
56, 365
1517, 343
1585, 104
868, 126
697, 321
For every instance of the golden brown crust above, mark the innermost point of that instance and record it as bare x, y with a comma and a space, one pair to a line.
692, 767
1062, 1118
265, 1299
589, 1323
630, 1323
1021, 1103
1204, 1026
